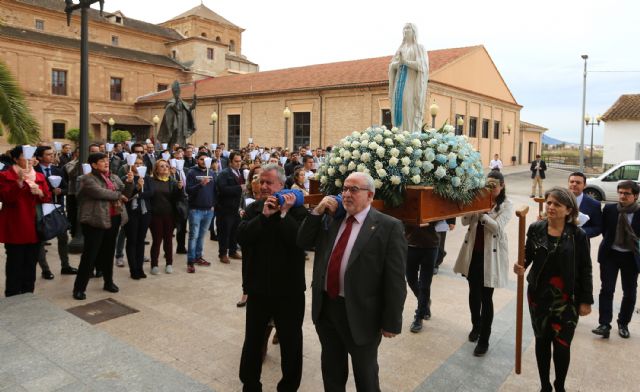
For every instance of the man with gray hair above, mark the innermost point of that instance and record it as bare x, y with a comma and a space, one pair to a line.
358, 282
274, 280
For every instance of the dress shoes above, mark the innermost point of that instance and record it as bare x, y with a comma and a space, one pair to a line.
224, 259
69, 270
235, 256
481, 349
47, 275
98, 274
416, 325
474, 334
181, 251
79, 295
623, 331
427, 316
111, 287
603, 330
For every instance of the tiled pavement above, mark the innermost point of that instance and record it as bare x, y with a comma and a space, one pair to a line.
191, 323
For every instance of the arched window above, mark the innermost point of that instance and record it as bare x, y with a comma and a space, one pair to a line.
218, 39
203, 35
232, 46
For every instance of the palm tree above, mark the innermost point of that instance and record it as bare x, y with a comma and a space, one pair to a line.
14, 112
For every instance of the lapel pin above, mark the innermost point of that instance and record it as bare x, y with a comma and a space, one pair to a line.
373, 227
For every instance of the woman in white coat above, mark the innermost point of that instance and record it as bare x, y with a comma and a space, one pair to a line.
484, 260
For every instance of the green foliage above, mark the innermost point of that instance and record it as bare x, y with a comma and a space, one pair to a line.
73, 134
15, 115
120, 136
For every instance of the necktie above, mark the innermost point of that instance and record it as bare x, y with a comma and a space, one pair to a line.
47, 172
335, 261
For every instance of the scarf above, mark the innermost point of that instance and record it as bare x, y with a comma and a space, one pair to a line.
625, 237
113, 206
28, 174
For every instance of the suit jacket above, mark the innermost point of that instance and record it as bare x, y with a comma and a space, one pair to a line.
591, 207
149, 161
55, 171
609, 225
229, 191
543, 167
374, 283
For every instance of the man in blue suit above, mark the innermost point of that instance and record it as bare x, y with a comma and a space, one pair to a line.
586, 205
619, 252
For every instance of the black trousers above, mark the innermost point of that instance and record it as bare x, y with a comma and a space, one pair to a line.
227, 229
441, 253
20, 269
181, 233
63, 253
99, 249
72, 213
287, 313
136, 231
337, 344
623, 262
420, 264
480, 298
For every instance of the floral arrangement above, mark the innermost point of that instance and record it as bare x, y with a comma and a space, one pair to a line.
395, 159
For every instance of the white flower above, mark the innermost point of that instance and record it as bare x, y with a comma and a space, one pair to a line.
356, 154
355, 144
432, 142
429, 155
367, 171
415, 179
406, 161
373, 146
378, 165
346, 154
395, 180
366, 157
381, 173
352, 166
346, 142
388, 132
440, 172
452, 156
361, 167
380, 152
449, 128
364, 138
356, 134
388, 142
323, 179
338, 183
342, 169
443, 147
394, 152
405, 170
377, 183
400, 138
378, 138
427, 166
331, 171
417, 163
332, 161
393, 161
408, 150
338, 160
416, 143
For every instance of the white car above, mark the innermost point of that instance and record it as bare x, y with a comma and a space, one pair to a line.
605, 186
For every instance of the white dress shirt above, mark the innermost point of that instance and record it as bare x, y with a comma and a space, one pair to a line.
495, 164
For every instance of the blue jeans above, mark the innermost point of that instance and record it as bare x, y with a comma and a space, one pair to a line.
199, 221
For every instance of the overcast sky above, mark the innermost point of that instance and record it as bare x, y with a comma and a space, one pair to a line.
536, 45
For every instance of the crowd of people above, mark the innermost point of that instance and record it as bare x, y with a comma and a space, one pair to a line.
251, 200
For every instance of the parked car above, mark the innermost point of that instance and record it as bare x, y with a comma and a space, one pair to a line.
605, 186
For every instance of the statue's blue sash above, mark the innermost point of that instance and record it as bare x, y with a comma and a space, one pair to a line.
397, 108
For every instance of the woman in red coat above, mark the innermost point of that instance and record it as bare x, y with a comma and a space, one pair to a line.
21, 189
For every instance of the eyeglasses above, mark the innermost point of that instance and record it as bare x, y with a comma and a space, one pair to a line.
625, 193
353, 189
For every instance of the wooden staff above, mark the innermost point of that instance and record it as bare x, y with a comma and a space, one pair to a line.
540, 202
521, 213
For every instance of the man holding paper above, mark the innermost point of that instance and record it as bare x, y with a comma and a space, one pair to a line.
202, 196
590, 215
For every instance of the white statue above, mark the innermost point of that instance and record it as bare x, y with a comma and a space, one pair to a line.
408, 75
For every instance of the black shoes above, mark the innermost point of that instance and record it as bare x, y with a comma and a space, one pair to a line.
111, 287
481, 349
474, 334
603, 330
181, 251
69, 270
416, 325
79, 295
427, 315
47, 275
623, 331
435, 270
213, 236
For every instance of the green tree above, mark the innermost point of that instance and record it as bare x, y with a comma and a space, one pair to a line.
73, 134
120, 136
15, 115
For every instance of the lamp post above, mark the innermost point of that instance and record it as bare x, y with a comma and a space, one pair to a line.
112, 122
83, 6
459, 123
156, 121
584, 102
587, 122
286, 113
433, 110
214, 120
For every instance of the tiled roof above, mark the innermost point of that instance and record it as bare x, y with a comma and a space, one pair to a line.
206, 13
94, 14
627, 107
242, 59
111, 51
525, 126
356, 73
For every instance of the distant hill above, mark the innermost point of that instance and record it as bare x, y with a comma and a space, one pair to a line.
549, 140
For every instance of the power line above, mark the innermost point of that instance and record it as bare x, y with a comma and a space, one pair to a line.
616, 71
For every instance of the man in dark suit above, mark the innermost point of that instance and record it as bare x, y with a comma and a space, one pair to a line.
358, 283
274, 281
45, 157
149, 158
619, 252
291, 164
230, 185
538, 167
586, 205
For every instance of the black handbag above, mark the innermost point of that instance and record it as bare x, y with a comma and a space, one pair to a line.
51, 225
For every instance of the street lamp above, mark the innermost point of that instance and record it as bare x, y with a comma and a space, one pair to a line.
508, 130
112, 122
214, 120
286, 113
156, 121
584, 103
433, 109
459, 123
587, 122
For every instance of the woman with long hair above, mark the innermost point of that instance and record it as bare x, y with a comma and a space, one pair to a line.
166, 194
560, 283
484, 260
22, 189
298, 180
